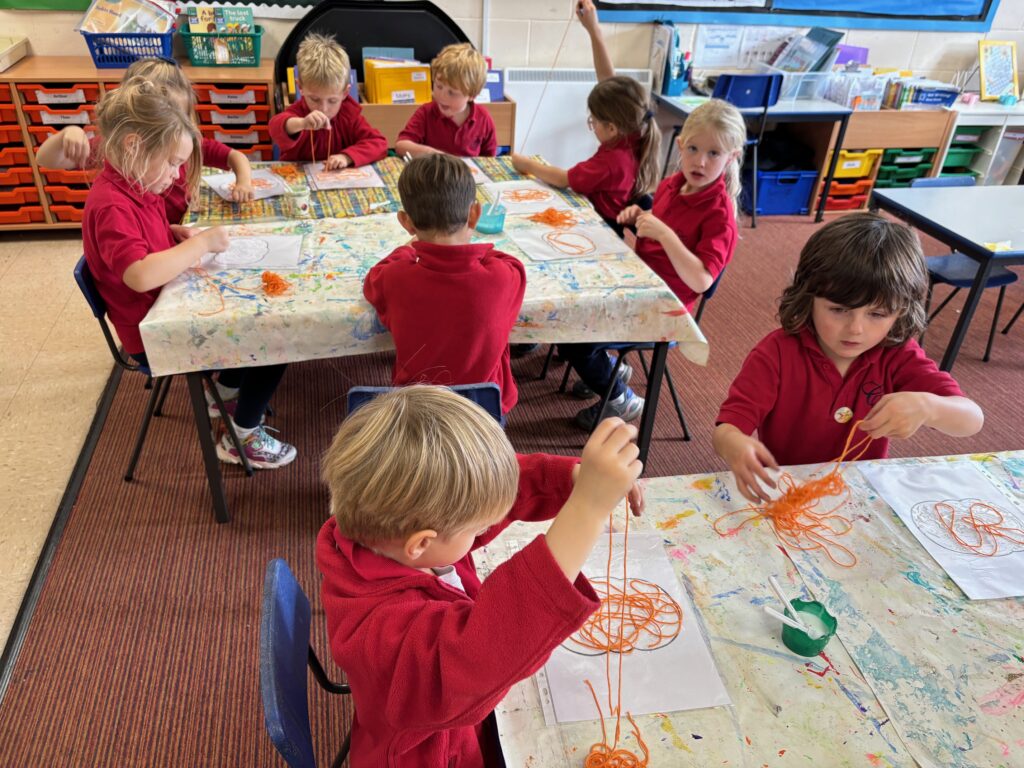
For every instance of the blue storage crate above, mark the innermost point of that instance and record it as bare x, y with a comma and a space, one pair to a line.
118, 50
780, 193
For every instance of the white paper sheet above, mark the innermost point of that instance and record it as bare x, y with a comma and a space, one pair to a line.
677, 676
585, 240
913, 491
363, 177
264, 184
257, 252
526, 197
479, 177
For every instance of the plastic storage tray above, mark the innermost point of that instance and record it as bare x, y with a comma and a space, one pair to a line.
10, 134
853, 164
960, 172
859, 187
60, 194
845, 203
212, 115
901, 173
42, 132
26, 214
223, 50
231, 94
256, 134
19, 196
117, 51
67, 212
12, 177
8, 114
967, 134
13, 156
75, 93
39, 114
258, 152
781, 193
958, 156
59, 176
908, 156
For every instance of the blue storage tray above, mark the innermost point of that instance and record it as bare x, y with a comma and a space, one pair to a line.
780, 193
117, 51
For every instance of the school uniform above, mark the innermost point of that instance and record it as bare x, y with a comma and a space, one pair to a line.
428, 661
450, 309
476, 137
607, 178
349, 134
704, 221
802, 409
215, 155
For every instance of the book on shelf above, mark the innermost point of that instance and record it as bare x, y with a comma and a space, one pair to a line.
807, 53
205, 19
201, 19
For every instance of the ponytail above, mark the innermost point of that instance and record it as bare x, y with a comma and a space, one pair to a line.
621, 101
647, 152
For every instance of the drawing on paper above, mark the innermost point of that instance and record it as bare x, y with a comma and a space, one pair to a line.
362, 177
570, 243
585, 240
258, 252
970, 527
264, 184
643, 617
526, 196
479, 177
243, 252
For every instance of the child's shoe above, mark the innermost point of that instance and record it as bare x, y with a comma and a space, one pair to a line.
581, 391
626, 406
229, 405
263, 450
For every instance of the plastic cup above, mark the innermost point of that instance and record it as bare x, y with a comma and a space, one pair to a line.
300, 205
490, 223
815, 617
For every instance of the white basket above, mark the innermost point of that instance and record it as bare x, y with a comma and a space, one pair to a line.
799, 86
11, 50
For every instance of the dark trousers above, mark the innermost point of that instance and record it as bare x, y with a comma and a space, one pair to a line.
593, 366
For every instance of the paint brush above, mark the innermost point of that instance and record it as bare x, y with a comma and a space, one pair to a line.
375, 206
407, 157
786, 605
789, 622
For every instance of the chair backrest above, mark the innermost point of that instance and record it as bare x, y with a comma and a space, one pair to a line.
748, 91
707, 295
943, 181
87, 284
487, 396
284, 649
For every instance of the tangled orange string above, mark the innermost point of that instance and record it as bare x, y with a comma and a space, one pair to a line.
647, 617
526, 195
988, 532
794, 516
274, 284
214, 284
570, 243
553, 217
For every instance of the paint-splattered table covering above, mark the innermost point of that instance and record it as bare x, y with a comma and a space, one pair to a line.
224, 320
920, 675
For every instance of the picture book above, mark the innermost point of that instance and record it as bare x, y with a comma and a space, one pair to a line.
234, 20
201, 19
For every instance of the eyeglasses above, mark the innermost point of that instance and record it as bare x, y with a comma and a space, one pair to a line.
590, 122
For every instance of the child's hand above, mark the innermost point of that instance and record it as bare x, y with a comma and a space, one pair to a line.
588, 15
748, 459
75, 146
337, 162
649, 225
521, 163
182, 233
609, 467
315, 121
242, 192
628, 215
215, 239
636, 498
899, 414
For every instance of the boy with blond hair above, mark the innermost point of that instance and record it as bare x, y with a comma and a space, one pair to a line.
450, 304
418, 478
452, 122
326, 124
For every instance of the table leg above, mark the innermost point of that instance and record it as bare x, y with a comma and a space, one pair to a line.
658, 358
830, 174
980, 278
210, 460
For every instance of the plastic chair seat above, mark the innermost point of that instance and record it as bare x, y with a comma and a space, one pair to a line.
958, 270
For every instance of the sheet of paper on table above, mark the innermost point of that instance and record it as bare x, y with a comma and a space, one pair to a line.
479, 177
363, 177
257, 252
981, 550
584, 240
264, 184
526, 197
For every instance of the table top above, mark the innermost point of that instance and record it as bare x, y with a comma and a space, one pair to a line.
224, 320
917, 674
964, 217
795, 108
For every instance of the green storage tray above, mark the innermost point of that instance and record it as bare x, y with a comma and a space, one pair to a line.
959, 172
968, 133
208, 50
960, 156
908, 156
890, 184
898, 173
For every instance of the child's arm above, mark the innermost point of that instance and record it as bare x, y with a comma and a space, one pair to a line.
66, 150
406, 146
747, 459
556, 177
239, 163
602, 61
690, 269
158, 269
901, 414
359, 142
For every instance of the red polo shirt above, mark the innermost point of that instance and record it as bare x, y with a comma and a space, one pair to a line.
121, 226
476, 137
215, 155
704, 221
607, 178
349, 134
450, 309
790, 392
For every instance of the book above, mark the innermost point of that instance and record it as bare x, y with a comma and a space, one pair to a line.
234, 20
201, 19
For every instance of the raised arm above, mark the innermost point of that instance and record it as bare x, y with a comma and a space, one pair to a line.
588, 18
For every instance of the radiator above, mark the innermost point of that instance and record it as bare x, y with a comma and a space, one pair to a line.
558, 111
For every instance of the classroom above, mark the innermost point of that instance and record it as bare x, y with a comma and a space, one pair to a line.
530, 384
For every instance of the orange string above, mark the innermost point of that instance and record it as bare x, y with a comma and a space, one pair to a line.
274, 284
794, 516
555, 218
526, 195
312, 147
988, 533
213, 283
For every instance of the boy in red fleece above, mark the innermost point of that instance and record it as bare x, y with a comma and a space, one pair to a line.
418, 478
450, 304
326, 125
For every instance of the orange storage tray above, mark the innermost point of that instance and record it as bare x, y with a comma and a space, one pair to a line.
40, 114
5, 94
19, 195
8, 114
250, 134
860, 187
67, 212
845, 203
211, 115
67, 194
258, 152
231, 94
42, 132
29, 214
13, 156
57, 176
10, 134
76, 93
12, 177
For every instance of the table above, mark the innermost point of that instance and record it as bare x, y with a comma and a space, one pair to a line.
324, 314
964, 218
783, 111
917, 674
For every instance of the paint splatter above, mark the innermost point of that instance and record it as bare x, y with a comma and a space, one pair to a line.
1008, 697
677, 741
682, 553
672, 523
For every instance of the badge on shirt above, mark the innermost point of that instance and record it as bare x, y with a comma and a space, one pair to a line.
843, 415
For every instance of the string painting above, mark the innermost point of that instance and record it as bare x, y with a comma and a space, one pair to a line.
970, 527
362, 177
526, 196
264, 184
257, 252
579, 240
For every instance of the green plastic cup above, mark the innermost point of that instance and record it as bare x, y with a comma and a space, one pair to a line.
814, 615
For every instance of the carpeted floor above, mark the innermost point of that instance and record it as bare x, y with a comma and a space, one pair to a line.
143, 648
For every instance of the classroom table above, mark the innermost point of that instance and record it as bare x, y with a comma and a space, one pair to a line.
966, 219
916, 676
783, 111
225, 320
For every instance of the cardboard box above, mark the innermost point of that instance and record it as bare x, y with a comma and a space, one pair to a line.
396, 82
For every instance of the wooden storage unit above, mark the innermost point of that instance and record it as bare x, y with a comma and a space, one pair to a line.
390, 119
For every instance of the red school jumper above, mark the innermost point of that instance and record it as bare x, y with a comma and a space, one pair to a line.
607, 178
476, 137
427, 662
704, 221
450, 309
791, 394
349, 134
122, 225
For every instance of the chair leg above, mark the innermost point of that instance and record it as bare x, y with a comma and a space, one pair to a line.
753, 192
565, 379
547, 363
995, 323
643, 363
343, 752
1013, 319
166, 382
154, 394
942, 306
675, 402
149, 382
228, 423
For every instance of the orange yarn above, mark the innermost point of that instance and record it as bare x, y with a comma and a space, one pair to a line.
312, 146
994, 529
643, 608
215, 285
274, 284
526, 195
793, 515
555, 218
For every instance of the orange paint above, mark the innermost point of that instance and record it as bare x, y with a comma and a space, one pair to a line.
274, 284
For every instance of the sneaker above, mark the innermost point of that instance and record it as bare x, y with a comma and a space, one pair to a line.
214, 411
626, 406
581, 391
263, 450
522, 350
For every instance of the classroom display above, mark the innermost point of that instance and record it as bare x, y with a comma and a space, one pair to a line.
998, 62
265, 184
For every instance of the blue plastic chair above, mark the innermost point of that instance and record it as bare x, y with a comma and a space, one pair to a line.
486, 395
285, 653
958, 271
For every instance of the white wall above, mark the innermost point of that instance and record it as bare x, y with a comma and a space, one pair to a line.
530, 33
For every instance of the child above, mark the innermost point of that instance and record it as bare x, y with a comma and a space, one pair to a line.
452, 122
71, 148
428, 651
326, 124
131, 250
845, 353
450, 304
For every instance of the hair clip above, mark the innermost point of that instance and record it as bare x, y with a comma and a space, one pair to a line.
648, 115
